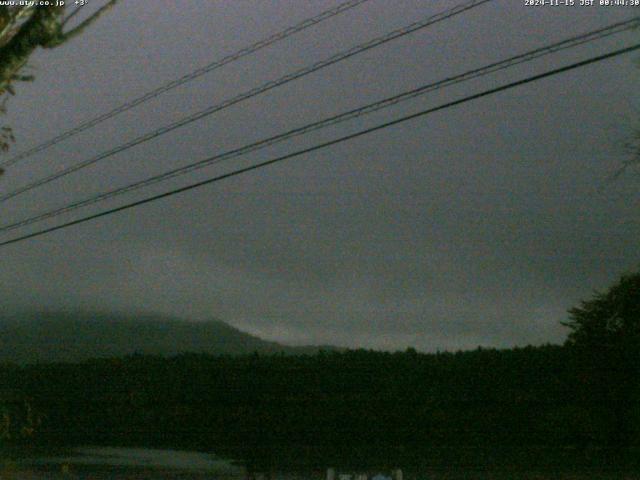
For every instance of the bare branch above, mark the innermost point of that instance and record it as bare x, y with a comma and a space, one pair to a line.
64, 37
71, 15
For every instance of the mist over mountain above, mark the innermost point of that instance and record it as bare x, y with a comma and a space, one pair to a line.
74, 336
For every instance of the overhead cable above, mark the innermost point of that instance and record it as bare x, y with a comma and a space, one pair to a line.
265, 42
250, 94
327, 144
335, 119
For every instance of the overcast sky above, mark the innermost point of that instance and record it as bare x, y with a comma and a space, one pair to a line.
478, 225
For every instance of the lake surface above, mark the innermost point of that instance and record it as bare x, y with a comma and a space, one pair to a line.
114, 463
127, 463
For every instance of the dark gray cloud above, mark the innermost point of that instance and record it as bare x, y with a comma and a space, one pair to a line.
481, 224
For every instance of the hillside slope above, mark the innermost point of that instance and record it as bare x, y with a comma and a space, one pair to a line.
52, 337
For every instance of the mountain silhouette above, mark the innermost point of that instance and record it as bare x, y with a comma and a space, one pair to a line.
72, 336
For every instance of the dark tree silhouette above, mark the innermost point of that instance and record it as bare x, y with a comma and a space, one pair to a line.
610, 319
605, 333
23, 29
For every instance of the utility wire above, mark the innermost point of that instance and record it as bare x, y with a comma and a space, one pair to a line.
335, 119
327, 144
251, 93
309, 22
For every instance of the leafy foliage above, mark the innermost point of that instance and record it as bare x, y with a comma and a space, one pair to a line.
23, 29
609, 319
605, 337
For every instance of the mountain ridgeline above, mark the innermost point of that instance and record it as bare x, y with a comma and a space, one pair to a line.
71, 337
207, 386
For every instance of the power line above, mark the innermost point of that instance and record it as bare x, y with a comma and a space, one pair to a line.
252, 93
309, 22
327, 144
571, 42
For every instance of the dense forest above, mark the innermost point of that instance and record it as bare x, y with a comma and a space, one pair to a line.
357, 401
579, 401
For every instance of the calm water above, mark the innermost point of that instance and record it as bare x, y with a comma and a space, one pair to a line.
125, 463
111, 463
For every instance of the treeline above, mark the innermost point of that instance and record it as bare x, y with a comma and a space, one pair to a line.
362, 402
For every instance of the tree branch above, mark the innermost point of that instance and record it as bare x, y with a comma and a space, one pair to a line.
9, 19
64, 37
37, 31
